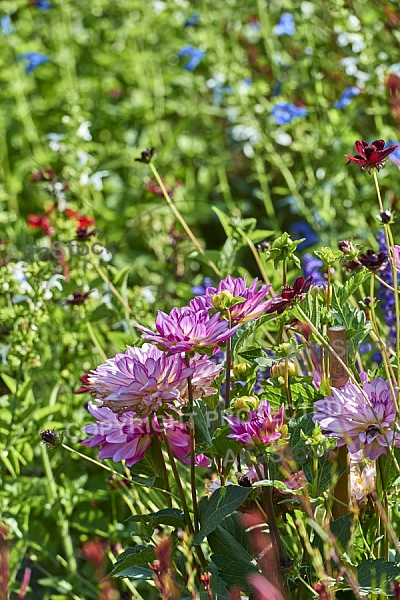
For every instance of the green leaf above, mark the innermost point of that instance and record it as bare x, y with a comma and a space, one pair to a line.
246, 331
222, 444
166, 516
133, 557
235, 562
376, 574
222, 503
11, 383
204, 426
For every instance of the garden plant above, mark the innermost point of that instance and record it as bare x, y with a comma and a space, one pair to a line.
199, 307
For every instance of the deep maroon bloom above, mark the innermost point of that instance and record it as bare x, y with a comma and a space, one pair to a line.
86, 385
78, 298
289, 295
370, 156
46, 174
373, 261
146, 156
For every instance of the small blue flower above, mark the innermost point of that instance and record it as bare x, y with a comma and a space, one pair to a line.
192, 21
302, 229
6, 25
201, 289
347, 95
286, 25
311, 268
286, 112
195, 55
35, 59
41, 4
395, 156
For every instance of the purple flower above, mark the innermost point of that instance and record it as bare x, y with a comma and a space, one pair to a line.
140, 379
205, 373
286, 25
123, 437
188, 330
195, 55
252, 307
348, 416
127, 436
35, 59
311, 268
260, 429
284, 112
346, 97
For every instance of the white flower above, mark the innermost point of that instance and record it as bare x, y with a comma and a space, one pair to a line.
3, 353
95, 180
55, 139
83, 131
19, 276
362, 483
54, 281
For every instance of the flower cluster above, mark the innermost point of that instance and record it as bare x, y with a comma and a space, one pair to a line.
261, 428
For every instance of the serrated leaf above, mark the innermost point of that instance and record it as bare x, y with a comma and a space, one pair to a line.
222, 503
166, 516
204, 426
246, 331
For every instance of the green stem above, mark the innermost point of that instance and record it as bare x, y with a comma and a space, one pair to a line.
164, 470
61, 517
181, 220
385, 541
192, 453
228, 373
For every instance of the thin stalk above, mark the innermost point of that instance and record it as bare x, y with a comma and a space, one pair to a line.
95, 341
61, 517
158, 448
228, 373
288, 390
181, 220
390, 245
112, 288
256, 256
385, 541
192, 454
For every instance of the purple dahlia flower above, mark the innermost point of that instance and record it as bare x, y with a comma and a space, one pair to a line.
347, 415
253, 306
140, 379
260, 429
188, 330
127, 436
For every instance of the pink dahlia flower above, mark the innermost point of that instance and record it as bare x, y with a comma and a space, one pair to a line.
205, 372
347, 415
252, 307
140, 379
127, 436
188, 330
260, 429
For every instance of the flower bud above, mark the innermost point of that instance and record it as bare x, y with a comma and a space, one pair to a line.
246, 403
278, 369
223, 300
386, 216
240, 369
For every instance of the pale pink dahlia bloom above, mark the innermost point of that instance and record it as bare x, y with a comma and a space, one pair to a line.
260, 429
347, 415
188, 330
127, 436
205, 373
140, 379
252, 307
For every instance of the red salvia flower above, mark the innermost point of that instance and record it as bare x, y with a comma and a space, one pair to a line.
370, 156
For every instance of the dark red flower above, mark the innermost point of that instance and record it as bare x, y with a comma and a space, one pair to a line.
146, 156
373, 261
45, 175
50, 437
38, 222
155, 189
85, 387
370, 156
78, 298
289, 295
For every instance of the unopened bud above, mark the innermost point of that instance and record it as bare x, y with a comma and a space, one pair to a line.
240, 369
223, 300
279, 369
246, 403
